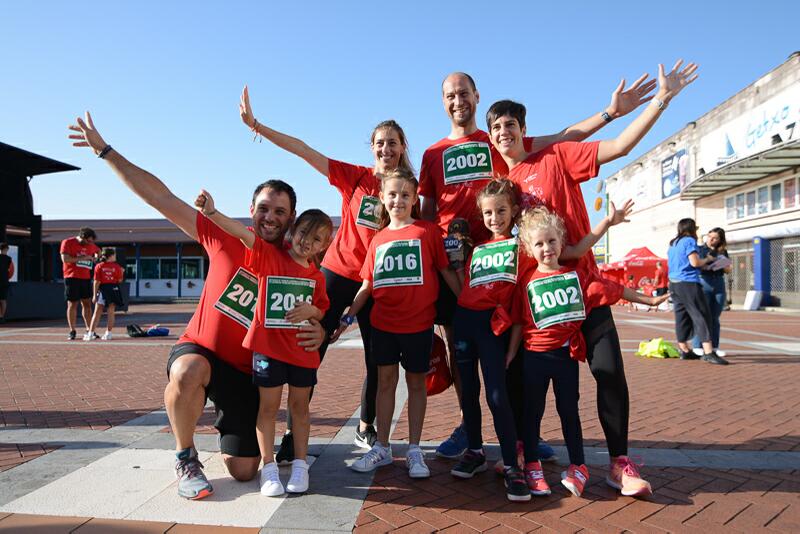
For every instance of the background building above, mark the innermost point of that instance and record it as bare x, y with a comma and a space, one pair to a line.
736, 167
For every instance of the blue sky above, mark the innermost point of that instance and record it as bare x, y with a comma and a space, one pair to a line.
163, 79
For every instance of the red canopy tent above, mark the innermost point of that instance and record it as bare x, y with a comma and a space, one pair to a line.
639, 262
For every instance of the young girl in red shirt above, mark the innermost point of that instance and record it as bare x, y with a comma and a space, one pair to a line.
106, 294
291, 290
400, 273
549, 307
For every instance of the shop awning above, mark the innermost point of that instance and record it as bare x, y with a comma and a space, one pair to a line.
773, 160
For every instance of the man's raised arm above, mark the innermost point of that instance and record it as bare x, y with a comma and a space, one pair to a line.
146, 186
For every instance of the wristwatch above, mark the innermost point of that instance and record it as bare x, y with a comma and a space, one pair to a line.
606, 116
347, 319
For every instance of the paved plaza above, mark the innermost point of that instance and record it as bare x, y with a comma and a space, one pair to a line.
85, 443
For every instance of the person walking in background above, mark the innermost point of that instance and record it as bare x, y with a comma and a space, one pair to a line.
6, 272
712, 280
692, 316
108, 275
77, 255
660, 279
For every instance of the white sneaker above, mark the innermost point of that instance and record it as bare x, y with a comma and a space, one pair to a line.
699, 352
415, 460
298, 482
106, 336
720, 353
89, 336
377, 456
270, 481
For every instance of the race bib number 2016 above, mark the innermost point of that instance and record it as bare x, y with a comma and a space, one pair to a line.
368, 212
556, 299
238, 301
494, 262
398, 263
283, 293
467, 162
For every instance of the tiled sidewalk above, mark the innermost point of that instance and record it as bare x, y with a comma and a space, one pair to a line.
752, 406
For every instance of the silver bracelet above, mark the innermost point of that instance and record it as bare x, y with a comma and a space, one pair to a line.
660, 103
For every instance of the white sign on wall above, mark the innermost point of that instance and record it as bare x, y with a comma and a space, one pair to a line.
752, 132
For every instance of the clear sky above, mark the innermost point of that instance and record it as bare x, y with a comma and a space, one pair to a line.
163, 79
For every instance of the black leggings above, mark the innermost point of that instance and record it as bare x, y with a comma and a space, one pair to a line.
341, 291
474, 342
539, 369
605, 361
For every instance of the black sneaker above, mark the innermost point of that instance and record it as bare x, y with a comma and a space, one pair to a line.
71, 335
285, 454
471, 463
516, 488
689, 355
712, 357
367, 438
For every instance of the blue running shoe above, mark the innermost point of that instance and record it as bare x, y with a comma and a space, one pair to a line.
455, 445
546, 452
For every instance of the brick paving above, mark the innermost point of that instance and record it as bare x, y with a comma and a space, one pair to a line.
751, 405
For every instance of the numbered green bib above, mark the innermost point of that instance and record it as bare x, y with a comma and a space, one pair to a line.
398, 263
368, 212
494, 262
238, 301
467, 162
283, 292
556, 299
84, 264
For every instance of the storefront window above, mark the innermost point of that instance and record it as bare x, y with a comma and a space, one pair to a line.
789, 192
763, 196
751, 203
740, 205
730, 208
130, 269
169, 268
149, 268
775, 197
190, 268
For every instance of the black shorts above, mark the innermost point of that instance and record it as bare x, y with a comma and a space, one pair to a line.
235, 401
4, 291
110, 294
77, 289
445, 303
413, 351
269, 373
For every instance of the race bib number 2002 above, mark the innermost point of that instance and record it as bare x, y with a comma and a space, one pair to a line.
556, 299
238, 301
467, 162
494, 262
398, 263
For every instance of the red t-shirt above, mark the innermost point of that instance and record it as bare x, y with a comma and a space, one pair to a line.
359, 189
405, 282
82, 269
553, 177
108, 272
660, 278
491, 275
228, 301
281, 283
552, 306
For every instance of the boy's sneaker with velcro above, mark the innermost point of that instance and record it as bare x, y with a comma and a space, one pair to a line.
471, 463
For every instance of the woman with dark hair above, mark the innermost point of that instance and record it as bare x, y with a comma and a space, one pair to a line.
692, 316
712, 280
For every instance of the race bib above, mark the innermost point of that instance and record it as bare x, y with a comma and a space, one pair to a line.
84, 264
368, 212
238, 301
556, 299
283, 292
398, 263
467, 162
494, 262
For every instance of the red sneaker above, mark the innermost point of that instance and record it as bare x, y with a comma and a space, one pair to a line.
575, 478
623, 474
534, 476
